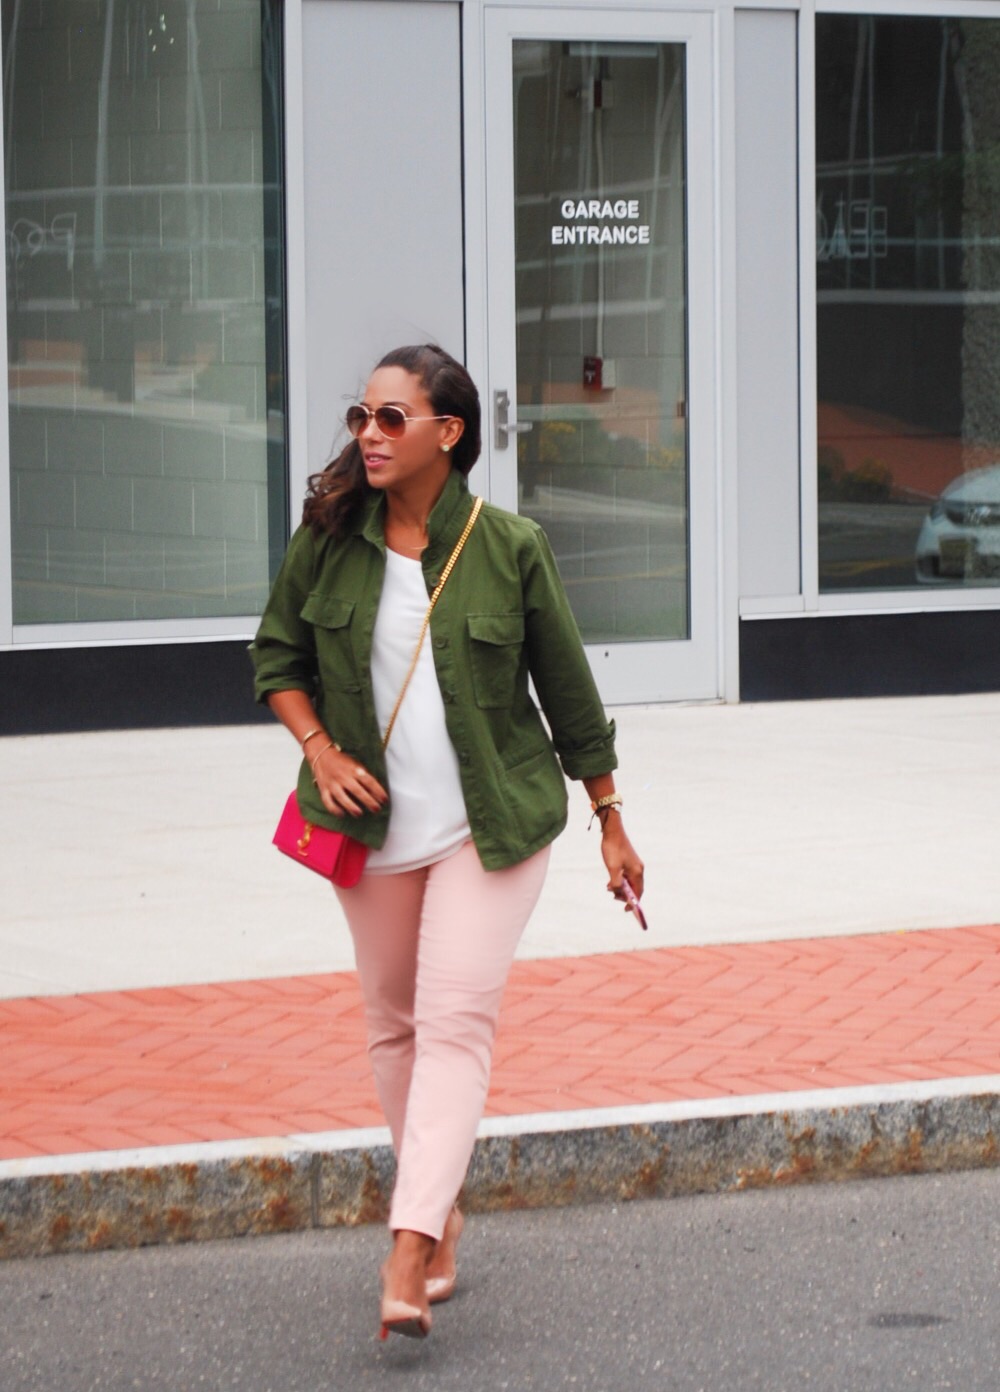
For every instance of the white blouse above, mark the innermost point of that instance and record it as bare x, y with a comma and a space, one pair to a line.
427, 817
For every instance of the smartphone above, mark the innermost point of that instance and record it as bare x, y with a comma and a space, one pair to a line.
633, 903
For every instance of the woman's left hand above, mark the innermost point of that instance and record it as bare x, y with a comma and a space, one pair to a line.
620, 857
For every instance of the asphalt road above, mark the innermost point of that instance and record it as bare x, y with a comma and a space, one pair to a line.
882, 1285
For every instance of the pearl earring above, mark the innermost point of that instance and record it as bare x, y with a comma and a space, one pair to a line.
445, 448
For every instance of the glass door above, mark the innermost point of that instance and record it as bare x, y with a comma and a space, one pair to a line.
601, 327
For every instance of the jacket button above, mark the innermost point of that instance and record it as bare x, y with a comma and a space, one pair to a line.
448, 696
440, 642
463, 758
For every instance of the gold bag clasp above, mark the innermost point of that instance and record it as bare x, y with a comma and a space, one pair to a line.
304, 839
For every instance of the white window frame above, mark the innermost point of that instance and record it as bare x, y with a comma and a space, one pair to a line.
811, 602
111, 633
6, 511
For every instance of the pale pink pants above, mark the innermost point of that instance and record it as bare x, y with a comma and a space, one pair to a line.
434, 948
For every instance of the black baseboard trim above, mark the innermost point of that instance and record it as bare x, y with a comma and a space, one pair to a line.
938, 653
150, 686
132, 687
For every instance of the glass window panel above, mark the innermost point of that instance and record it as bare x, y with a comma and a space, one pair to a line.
601, 326
145, 310
908, 316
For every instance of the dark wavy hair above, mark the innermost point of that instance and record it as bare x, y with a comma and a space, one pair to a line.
336, 495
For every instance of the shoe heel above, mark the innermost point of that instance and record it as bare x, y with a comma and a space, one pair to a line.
398, 1318
413, 1326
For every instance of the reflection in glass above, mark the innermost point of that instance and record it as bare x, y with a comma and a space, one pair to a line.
908, 285
601, 326
145, 318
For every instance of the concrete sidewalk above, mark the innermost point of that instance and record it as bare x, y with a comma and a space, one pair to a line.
182, 1037
143, 858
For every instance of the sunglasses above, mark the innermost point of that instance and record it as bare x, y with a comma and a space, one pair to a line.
391, 420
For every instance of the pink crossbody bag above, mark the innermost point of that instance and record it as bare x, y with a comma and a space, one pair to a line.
333, 854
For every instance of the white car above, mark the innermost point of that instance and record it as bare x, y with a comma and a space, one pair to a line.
960, 538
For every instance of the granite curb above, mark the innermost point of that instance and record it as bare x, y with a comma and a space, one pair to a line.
228, 1189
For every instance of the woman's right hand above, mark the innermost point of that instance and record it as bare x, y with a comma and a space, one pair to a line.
345, 786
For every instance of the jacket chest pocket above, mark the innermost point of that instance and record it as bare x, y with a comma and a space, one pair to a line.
330, 618
496, 647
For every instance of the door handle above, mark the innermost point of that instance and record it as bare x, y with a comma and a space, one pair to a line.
501, 429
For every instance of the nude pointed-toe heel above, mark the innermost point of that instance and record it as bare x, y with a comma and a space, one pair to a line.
442, 1288
400, 1317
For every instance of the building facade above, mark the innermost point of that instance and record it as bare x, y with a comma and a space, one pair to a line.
728, 278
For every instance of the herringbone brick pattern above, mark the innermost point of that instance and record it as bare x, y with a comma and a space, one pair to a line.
254, 1058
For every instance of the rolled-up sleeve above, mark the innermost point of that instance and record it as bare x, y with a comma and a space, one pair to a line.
283, 651
583, 736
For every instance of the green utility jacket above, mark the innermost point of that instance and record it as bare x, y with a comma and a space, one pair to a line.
502, 616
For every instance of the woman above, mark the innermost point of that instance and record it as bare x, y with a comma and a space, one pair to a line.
461, 807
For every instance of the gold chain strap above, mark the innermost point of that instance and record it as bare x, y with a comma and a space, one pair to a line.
430, 609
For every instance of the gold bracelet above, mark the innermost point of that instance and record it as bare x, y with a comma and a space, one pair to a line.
313, 762
611, 802
306, 738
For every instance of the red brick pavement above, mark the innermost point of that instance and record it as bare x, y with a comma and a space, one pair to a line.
251, 1058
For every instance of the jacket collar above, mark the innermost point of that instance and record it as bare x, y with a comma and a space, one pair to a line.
444, 526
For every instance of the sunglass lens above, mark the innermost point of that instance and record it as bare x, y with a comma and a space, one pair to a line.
356, 419
391, 421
